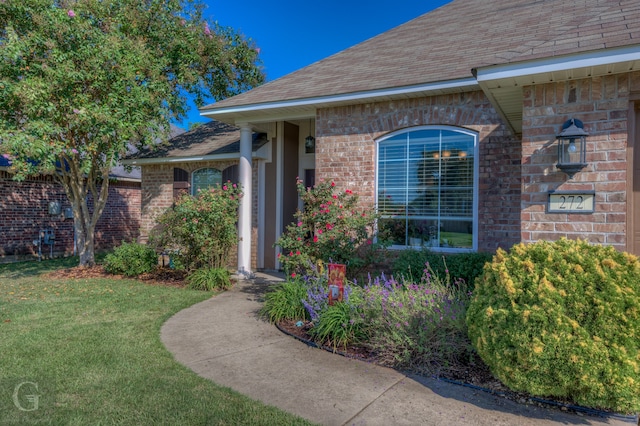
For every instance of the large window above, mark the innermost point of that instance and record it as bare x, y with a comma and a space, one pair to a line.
427, 188
203, 179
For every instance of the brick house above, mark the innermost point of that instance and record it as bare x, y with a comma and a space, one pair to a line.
449, 125
39, 203
26, 209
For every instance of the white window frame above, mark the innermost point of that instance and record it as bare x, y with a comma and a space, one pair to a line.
474, 217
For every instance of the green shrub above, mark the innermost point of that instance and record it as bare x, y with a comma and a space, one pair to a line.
284, 302
200, 232
562, 319
209, 279
131, 259
340, 324
465, 266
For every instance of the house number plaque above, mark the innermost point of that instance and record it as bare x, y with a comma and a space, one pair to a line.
571, 202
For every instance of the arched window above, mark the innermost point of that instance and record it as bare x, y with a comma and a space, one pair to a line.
202, 179
427, 188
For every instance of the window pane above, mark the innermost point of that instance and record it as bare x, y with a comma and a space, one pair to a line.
456, 234
396, 229
204, 179
426, 188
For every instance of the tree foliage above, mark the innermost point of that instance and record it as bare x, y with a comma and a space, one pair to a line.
83, 81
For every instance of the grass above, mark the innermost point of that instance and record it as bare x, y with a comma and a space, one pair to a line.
93, 348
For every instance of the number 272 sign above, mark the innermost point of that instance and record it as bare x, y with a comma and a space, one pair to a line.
571, 202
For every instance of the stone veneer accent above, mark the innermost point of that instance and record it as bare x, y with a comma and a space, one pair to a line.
346, 153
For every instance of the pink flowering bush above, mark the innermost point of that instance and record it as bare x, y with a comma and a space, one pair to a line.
201, 231
330, 228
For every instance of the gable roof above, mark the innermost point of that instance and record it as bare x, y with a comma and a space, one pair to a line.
209, 141
440, 51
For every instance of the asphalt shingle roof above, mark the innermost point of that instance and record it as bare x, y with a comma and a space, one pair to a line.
447, 43
212, 138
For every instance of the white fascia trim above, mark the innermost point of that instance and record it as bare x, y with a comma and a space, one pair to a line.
357, 96
170, 160
559, 63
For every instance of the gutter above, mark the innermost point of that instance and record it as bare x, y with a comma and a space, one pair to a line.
190, 159
349, 97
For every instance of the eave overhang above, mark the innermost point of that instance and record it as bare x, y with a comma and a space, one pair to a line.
503, 83
304, 108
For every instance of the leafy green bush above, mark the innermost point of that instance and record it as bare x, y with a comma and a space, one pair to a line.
330, 228
131, 259
209, 279
463, 266
341, 324
562, 319
284, 302
201, 231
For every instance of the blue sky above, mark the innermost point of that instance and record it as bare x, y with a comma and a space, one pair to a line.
293, 34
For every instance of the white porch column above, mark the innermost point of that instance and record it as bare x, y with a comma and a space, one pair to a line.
246, 203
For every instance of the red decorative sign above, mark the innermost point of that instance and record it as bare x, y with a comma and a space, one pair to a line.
337, 274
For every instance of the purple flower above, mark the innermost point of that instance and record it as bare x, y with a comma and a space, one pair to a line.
6, 156
74, 151
207, 31
71, 13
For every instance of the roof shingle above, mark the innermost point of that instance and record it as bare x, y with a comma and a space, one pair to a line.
447, 43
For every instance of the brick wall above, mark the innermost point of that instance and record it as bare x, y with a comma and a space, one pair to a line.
24, 211
346, 153
602, 104
157, 197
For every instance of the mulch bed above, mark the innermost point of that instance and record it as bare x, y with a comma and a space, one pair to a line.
160, 276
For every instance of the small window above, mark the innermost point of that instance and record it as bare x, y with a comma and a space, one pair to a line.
203, 179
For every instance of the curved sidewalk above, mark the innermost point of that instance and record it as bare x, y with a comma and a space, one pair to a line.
223, 340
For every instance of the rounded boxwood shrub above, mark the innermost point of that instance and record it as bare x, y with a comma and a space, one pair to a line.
562, 320
131, 259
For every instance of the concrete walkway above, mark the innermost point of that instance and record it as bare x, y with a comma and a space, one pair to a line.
223, 340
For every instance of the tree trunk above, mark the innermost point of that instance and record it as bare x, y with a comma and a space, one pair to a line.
84, 243
78, 186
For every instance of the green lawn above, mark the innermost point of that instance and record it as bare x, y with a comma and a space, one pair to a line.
92, 347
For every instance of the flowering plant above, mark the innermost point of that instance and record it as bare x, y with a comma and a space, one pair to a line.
331, 227
201, 230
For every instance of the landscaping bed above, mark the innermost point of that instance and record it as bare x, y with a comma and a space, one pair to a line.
476, 375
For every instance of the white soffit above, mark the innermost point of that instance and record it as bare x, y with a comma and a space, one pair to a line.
503, 83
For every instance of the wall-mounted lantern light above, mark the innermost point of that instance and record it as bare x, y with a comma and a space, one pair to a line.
309, 142
572, 147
